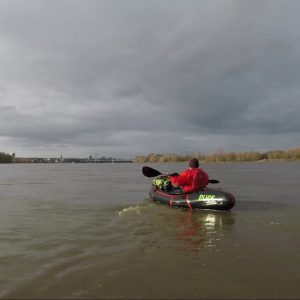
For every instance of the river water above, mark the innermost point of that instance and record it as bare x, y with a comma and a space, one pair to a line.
90, 231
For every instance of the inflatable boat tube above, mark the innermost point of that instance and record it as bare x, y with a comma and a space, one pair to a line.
215, 199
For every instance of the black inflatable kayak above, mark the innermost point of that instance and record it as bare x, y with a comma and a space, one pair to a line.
209, 198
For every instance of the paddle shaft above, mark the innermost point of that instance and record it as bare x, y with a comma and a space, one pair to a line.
150, 172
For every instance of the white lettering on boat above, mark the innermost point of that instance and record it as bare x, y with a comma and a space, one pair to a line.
210, 198
206, 197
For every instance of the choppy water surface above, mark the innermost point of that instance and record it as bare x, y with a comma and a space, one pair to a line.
90, 231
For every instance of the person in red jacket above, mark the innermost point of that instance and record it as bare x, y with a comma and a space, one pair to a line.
192, 179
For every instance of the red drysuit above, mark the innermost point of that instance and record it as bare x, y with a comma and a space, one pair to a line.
193, 179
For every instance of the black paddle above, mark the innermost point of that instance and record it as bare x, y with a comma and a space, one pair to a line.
150, 172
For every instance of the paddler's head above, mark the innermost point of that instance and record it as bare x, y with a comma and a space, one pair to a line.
194, 163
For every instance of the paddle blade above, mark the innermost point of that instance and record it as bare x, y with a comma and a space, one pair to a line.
150, 172
214, 181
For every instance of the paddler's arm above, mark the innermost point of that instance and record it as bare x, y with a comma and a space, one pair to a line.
178, 180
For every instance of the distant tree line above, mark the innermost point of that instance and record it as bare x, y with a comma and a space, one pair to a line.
5, 158
221, 156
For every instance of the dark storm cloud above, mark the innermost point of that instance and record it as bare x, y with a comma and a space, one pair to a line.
124, 76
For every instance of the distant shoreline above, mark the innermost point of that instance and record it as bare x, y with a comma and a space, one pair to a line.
165, 162
224, 162
248, 156
292, 154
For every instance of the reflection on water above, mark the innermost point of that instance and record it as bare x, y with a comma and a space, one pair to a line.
203, 229
186, 231
193, 222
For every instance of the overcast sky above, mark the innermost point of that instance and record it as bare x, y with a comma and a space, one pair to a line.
130, 77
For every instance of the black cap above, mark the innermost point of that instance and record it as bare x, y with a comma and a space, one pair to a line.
194, 163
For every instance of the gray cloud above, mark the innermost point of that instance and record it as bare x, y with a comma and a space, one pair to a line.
133, 77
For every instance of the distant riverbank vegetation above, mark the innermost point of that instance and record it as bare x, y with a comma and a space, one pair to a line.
221, 156
5, 158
